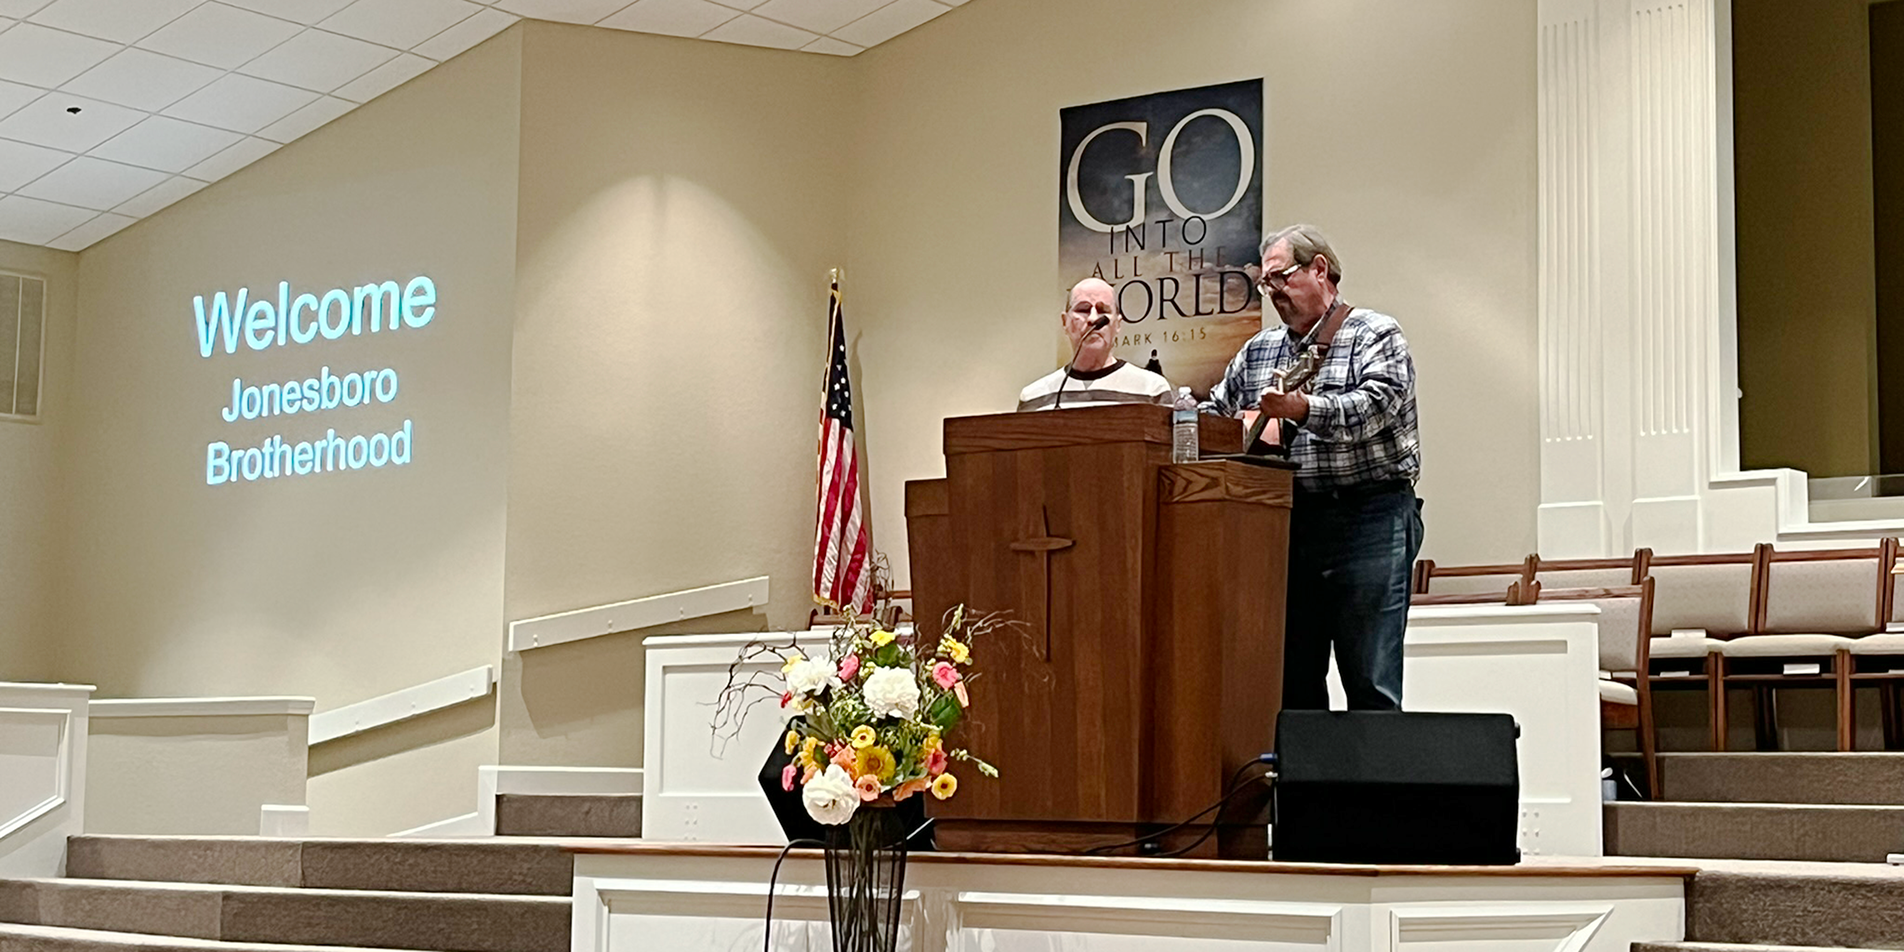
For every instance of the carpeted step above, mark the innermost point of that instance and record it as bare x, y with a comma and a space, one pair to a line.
462, 866
1831, 833
1730, 947
447, 922
25, 938
520, 814
1847, 778
1851, 910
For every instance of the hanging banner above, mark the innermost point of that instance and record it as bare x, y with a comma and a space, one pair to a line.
1162, 196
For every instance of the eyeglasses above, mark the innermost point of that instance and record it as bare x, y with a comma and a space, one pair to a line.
1274, 280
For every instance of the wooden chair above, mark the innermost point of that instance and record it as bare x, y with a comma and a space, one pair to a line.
1813, 606
1699, 601
1880, 657
1626, 624
1511, 595
1590, 573
1433, 579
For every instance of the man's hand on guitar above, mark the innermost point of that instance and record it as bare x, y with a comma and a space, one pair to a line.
1286, 406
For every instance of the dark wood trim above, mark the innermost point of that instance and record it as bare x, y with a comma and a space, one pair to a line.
926, 497
1053, 861
1224, 481
1085, 426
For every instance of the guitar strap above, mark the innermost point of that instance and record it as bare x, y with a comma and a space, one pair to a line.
1323, 335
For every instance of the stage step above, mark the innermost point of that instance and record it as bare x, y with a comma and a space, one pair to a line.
447, 922
25, 938
1872, 779
568, 815
1852, 910
1730, 947
516, 867
1830, 833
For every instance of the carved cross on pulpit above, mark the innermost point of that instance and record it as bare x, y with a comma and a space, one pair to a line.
1041, 543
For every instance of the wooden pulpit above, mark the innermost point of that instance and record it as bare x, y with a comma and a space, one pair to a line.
1147, 670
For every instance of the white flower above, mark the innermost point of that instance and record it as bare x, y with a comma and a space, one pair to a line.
830, 797
809, 677
891, 692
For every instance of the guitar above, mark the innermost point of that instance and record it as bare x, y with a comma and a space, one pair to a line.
1291, 379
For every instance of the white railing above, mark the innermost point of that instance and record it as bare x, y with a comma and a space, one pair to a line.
637, 613
402, 705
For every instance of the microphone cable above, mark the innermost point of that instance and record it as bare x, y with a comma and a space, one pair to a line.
1096, 326
774, 879
1233, 788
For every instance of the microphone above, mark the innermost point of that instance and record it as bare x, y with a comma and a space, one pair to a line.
1096, 326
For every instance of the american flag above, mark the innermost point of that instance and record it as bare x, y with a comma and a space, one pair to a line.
840, 545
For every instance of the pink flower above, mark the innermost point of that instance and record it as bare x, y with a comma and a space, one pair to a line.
909, 788
868, 787
786, 777
844, 757
849, 667
936, 761
944, 675
959, 689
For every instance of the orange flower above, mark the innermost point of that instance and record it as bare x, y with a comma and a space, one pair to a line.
909, 788
868, 787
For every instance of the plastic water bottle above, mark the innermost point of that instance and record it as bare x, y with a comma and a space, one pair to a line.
1183, 428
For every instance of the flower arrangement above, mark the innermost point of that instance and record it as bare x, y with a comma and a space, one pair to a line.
868, 721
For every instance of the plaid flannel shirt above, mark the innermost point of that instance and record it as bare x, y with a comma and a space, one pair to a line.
1361, 427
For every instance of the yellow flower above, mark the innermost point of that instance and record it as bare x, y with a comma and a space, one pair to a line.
945, 786
793, 740
876, 762
810, 751
882, 638
955, 650
863, 737
792, 660
932, 740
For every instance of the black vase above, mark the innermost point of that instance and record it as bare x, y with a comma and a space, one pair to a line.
865, 878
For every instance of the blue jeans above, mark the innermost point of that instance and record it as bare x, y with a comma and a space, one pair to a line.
1351, 554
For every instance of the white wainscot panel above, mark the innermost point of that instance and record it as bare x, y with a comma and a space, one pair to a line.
698, 786
1016, 922
42, 775
1530, 927
710, 916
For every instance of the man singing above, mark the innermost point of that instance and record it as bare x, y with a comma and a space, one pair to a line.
1093, 377
1355, 528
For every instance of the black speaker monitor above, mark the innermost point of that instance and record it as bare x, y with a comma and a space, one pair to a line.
1395, 787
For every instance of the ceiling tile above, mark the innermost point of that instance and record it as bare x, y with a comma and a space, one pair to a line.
168, 144
890, 21
18, 9
99, 229
385, 78
485, 24
231, 160
142, 79
21, 163
563, 11
827, 44
33, 222
114, 20
399, 23
751, 30
305, 120
38, 56
46, 122
92, 183
14, 95
220, 35
742, 4
953, 3
241, 103
318, 60
820, 16
307, 12
160, 196
671, 17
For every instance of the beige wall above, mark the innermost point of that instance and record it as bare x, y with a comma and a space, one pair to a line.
1807, 274
1406, 130
29, 460
681, 204
340, 586
204, 775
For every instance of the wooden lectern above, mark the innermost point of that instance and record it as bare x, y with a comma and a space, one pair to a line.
1148, 670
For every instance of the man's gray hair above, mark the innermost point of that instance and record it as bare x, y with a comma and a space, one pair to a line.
1305, 242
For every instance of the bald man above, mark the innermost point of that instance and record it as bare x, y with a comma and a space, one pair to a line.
1093, 377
